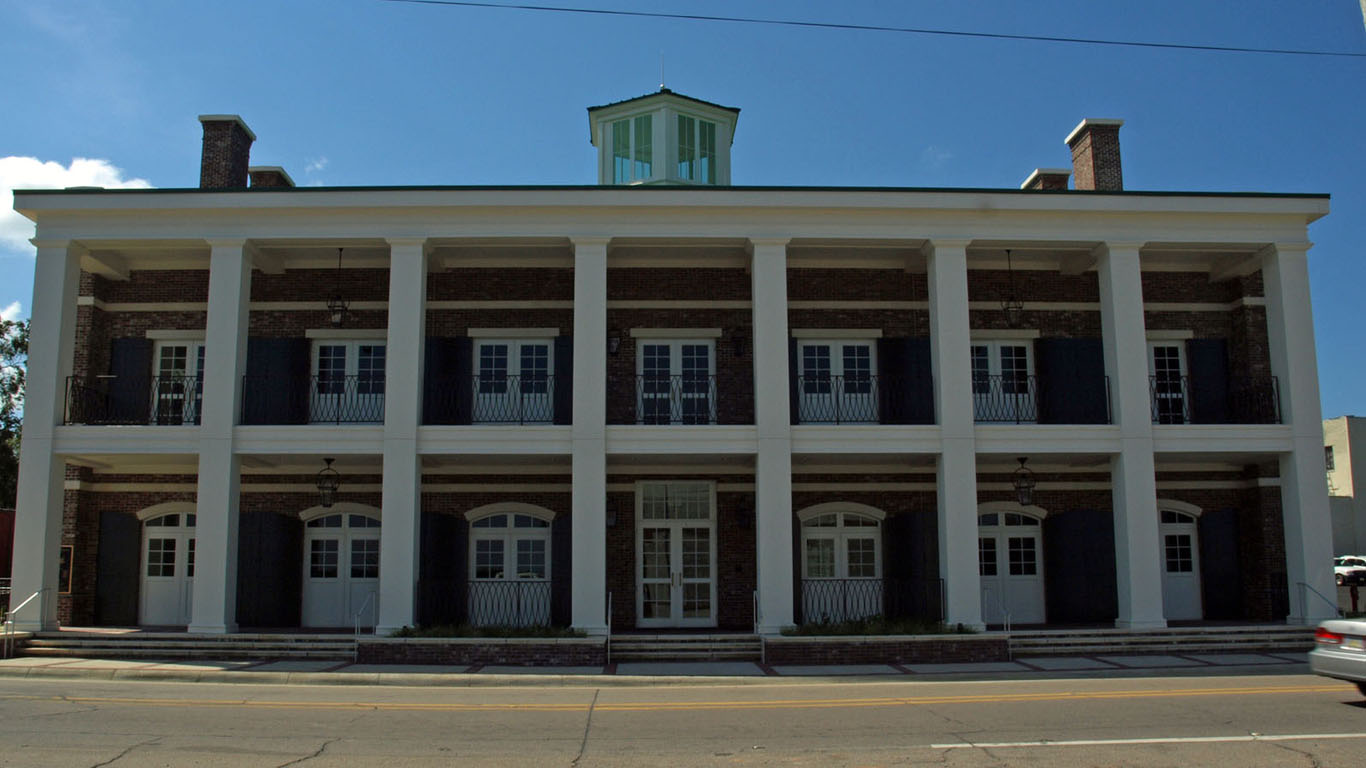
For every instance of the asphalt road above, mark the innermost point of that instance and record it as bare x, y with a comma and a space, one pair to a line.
1228, 721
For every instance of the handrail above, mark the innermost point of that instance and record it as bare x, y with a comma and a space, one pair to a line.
369, 600
763, 647
609, 627
1332, 603
9, 620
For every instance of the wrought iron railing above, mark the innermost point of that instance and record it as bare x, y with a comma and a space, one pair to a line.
167, 400
1007, 398
860, 399
688, 398
1248, 400
503, 399
513, 603
317, 399
837, 600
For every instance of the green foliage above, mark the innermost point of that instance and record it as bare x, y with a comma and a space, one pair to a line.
878, 625
466, 630
13, 363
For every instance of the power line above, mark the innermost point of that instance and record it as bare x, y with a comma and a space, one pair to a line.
878, 28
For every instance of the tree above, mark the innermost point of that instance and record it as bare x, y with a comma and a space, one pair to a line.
13, 363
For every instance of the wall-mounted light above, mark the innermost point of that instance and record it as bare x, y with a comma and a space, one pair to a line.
337, 306
1024, 483
613, 342
1011, 304
329, 480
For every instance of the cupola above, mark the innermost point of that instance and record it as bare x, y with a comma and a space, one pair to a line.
663, 138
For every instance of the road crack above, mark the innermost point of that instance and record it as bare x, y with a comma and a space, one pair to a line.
125, 752
317, 753
588, 724
1313, 759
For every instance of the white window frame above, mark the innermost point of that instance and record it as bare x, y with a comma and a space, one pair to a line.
1177, 397
676, 369
500, 407
1023, 404
841, 533
694, 141
171, 404
319, 401
837, 403
509, 536
633, 135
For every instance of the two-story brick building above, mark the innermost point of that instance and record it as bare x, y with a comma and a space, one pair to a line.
668, 401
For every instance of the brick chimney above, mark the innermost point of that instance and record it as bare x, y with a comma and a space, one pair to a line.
269, 177
1047, 179
227, 146
1095, 155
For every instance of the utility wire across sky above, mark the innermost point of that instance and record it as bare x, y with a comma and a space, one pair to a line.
879, 28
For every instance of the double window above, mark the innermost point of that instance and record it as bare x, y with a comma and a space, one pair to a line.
633, 149
348, 381
696, 150
676, 382
836, 382
513, 381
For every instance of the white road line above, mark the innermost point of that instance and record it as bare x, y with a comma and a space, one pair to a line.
1170, 740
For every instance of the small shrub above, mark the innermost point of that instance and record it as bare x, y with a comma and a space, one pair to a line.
877, 625
497, 630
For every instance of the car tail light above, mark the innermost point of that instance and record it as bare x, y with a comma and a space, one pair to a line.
1322, 635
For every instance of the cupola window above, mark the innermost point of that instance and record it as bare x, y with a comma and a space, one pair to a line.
696, 150
633, 149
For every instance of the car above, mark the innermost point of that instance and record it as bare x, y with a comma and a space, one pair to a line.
1340, 651
1349, 569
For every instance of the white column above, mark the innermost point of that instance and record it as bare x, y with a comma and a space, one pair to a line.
42, 475
956, 476
773, 422
1138, 558
1304, 495
588, 594
218, 498
401, 520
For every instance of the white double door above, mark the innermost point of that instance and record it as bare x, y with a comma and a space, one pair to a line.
513, 383
1010, 564
348, 382
341, 571
1002, 372
167, 571
676, 584
178, 382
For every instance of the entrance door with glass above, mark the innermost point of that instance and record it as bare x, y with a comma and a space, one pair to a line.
1003, 382
1167, 369
1180, 566
676, 552
1010, 563
167, 570
348, 382
341, 570
512, 383
178, 382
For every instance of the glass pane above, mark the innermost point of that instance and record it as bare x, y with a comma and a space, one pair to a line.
696, 553
861, 558
173, 360
657, 603
828, 520
189, 558
365, 558
493, 369
706, 150
986, 557
492, 521
161, 557
858, 371
853, 520
990, 518
654, 553
621, 152
644, 149
816, 369
331, 369
697, 600
527, 521
687, 147
370, 369
981, 370
323, 557
330, 521
362, 521
1178, 551
531, 559
820, 558
1023, 557
488, 558
535, 369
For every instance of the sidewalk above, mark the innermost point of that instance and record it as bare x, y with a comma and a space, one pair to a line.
303, 672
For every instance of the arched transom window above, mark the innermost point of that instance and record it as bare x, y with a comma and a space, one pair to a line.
509, 545
841, 545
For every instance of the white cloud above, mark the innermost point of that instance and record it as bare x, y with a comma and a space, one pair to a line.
13, 312
934, 157
32, 173
315, 165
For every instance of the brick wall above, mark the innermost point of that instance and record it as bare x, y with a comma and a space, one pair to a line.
695, 283
501, 284
928, 649
566, 652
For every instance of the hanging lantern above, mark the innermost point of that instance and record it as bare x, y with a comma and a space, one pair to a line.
337, 306
329, 480
1024, 483
1011, 304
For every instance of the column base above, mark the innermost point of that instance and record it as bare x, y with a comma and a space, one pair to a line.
211, 629
1149, 624
600, 630
383, 631
33, 625
774, 629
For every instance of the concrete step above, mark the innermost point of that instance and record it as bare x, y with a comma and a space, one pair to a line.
173, 645
686, 647
1169, 640
220, 654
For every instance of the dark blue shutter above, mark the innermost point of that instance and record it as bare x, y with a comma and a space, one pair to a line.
1207, 365
1071, 386
561, 570
793, 386
275, 390
896, 566
797, 616
918, 381
130, 392
441, 570
1220, 574
444, 383
269, 569
891, 395
117, 570
1079, 567
562, 385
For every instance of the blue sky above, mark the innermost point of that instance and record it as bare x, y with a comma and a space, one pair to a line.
369, 92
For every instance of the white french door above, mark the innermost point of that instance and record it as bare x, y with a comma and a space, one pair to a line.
676, 552
177, 382
676, 382
1167, 373
836, 380
1010, 564
167, 570
1180, 566
1002, 372
513, 382
341, 570
348, 382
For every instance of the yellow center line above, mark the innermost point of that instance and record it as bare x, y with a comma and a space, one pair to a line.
657, 706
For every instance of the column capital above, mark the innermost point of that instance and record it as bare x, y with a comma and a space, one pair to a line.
590, 241
1287, 249
226, 243
755, 243
55, 243
406, 242
1118, 246
946, 243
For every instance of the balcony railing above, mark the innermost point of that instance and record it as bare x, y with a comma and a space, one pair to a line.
868, 399
1247, 400
1007, 398
318, 399
520, 603
838, 600
165, 400
503, 399
683, 399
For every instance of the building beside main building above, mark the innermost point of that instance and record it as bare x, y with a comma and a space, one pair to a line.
667, 401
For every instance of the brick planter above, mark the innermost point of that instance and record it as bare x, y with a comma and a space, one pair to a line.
885, 649
468, 651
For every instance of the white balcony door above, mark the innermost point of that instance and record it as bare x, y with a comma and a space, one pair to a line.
1010, 563
675, 382
509, 570
167, 570
836, 382
841, 567
676, 555
1167, 371
512, 382
348, 382
341, 570
177, 389
1001, 374
1181, 598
